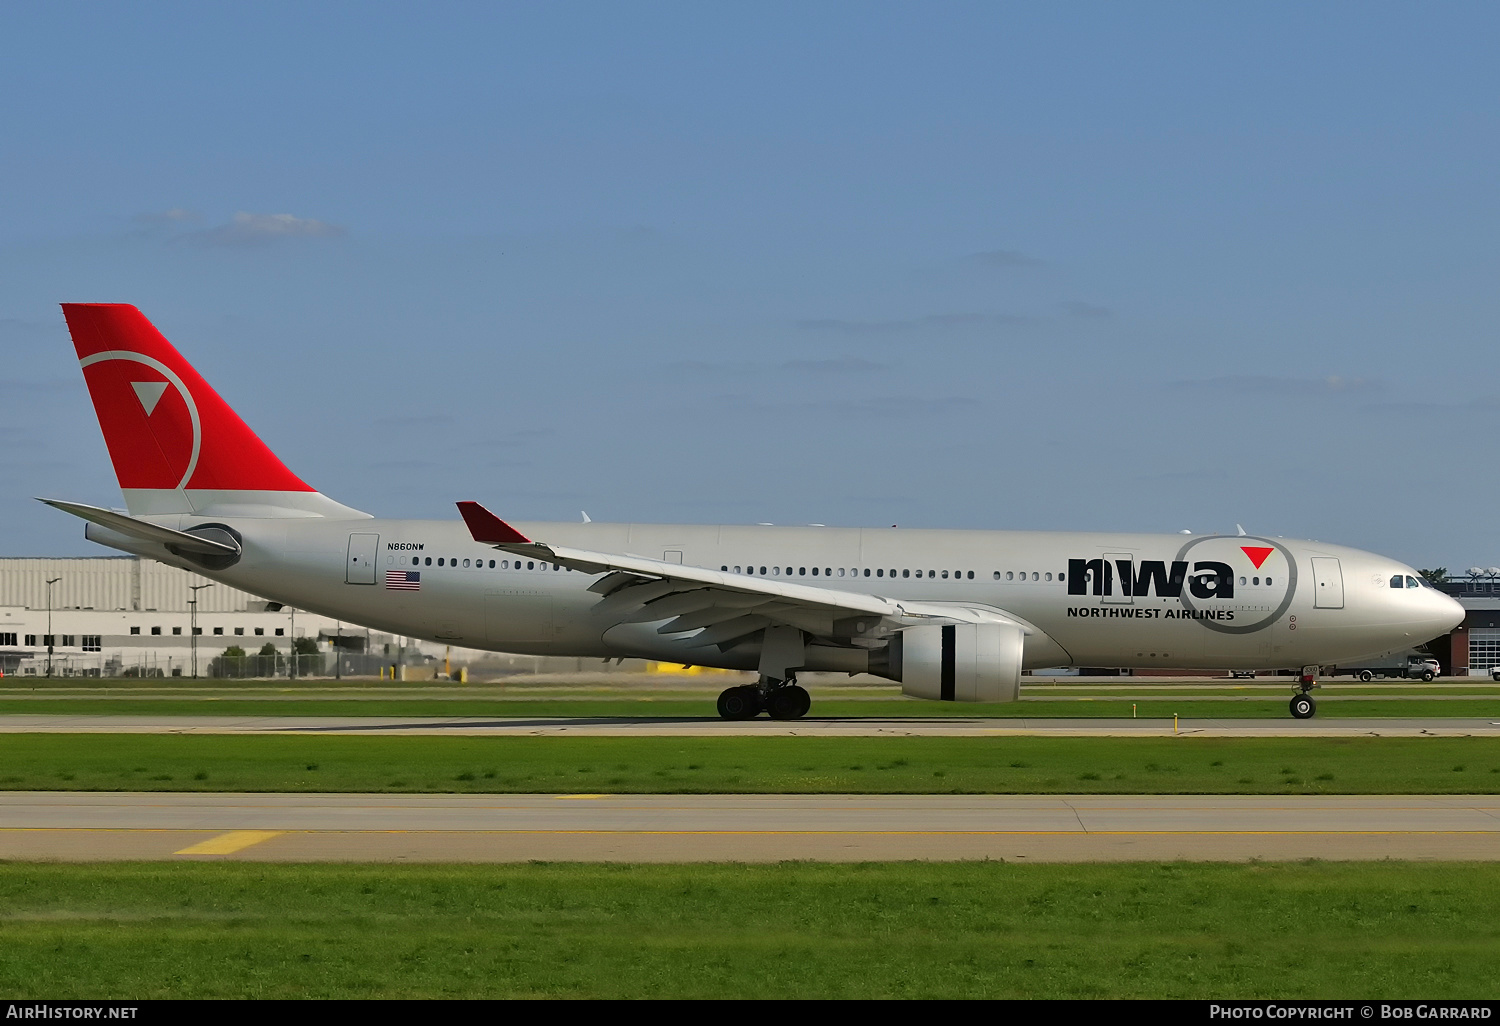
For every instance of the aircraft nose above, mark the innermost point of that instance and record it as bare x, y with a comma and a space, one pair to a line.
1452, 613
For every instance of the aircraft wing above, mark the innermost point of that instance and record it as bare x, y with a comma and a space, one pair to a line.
724, 607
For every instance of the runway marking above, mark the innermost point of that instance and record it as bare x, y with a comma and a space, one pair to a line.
581, 797
228, 844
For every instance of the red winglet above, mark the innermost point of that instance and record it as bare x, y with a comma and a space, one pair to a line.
485, 527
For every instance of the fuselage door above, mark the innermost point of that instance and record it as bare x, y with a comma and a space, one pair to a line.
363, 552
1328, 583
1121, 566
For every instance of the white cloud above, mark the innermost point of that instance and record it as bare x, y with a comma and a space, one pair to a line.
248, 228
177, 215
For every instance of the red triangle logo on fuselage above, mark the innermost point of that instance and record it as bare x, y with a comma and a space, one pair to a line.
1257, 555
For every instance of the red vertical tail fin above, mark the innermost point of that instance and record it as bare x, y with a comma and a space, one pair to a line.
177, 447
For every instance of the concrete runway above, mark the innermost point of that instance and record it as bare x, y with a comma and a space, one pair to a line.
751, 828
568, 726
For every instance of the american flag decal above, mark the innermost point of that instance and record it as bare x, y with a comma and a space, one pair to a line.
403, 580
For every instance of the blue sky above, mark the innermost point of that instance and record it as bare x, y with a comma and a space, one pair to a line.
1074, 266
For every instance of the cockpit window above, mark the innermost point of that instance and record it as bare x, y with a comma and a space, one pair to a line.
1397, 582
1412, 582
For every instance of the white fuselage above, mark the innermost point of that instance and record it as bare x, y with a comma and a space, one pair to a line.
1286, 603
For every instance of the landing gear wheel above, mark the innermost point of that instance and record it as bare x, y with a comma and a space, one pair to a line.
1366, 675
789, 703
1303, 707
742, 703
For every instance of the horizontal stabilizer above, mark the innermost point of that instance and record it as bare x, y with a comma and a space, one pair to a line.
140, 530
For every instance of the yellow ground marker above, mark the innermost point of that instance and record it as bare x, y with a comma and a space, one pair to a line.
228, 844
580, 797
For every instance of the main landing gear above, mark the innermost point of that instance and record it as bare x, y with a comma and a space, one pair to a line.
1303, 707
783, 700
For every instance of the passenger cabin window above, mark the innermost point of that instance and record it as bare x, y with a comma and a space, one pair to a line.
156, 630
133, 630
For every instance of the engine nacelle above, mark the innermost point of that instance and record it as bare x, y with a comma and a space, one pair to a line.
962, 662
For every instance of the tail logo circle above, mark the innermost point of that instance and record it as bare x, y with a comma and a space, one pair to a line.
149, 394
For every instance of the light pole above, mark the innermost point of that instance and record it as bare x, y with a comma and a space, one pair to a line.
50, 639
193, 623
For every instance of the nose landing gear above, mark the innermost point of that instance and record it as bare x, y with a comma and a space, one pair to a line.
1303, 707
782, 699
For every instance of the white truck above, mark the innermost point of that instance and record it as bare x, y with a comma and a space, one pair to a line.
1402, 665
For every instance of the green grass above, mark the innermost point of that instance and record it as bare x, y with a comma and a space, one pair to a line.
913, 930
805, 765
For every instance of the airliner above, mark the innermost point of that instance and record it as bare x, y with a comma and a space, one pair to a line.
952, 615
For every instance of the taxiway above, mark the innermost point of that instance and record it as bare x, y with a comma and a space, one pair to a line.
752, 828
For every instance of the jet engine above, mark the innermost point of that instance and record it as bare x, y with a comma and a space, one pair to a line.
961, 662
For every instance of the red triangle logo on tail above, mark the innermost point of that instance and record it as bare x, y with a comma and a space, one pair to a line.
1256, 553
